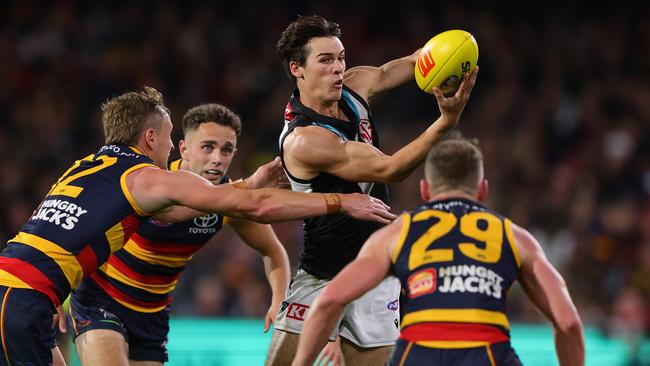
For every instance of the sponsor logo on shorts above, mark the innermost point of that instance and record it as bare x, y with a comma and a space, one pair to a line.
297, 311
393, 305
422, 283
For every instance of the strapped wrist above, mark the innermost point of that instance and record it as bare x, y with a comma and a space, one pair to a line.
333, 203
242, 183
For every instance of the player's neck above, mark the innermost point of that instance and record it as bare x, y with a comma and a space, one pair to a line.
454, 193
325, 108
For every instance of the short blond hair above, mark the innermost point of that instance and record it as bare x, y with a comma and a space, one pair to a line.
124, 117
456, 163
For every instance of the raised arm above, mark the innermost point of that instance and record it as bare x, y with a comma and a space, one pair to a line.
370, 267
369, 80
311, 150
547, 290
276, 262
155, 189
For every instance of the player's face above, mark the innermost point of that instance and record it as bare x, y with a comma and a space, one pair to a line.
323, 70
208, 150
163, 144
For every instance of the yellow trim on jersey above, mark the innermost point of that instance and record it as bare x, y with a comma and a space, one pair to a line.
456, 315
140, 309
175, 165
154, 258
115, 274
115, 237
136, 150
406, 225
9, 280
513, 243
125, 189
452, 344
66, 260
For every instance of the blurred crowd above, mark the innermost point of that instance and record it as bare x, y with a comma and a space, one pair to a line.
561, 109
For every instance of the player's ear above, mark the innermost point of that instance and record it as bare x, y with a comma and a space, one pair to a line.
425, 194
482, 190
182, 148
296, 69
150, 138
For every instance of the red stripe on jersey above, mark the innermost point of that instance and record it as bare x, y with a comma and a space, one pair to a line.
453, 332
164, 248
31, 276
146, 279
119, 295
88, 260
129, 225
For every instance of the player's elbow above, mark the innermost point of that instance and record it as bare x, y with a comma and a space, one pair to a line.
329, 301
389, 172
569, 324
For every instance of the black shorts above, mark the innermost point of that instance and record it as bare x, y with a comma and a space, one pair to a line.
146, 333
25, 327
410, 354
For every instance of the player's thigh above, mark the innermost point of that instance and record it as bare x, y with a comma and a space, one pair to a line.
355, 355
282, 349
145, 363
102, 347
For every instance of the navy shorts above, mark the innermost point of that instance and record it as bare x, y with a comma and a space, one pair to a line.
410, 354
146, 333
26, 327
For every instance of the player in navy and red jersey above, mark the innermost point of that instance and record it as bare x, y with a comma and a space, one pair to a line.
127, 300
456, 260
330, 144
93, 209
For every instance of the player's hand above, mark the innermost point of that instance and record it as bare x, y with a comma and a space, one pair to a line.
367, 208
271, 314
331, 354
269, 175
59, 318
452, 107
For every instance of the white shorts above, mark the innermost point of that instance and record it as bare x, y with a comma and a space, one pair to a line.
370, 321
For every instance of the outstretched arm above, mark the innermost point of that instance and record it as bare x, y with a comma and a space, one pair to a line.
276, 262
155, 189
369, 80
547, 290
370, 267
311, 150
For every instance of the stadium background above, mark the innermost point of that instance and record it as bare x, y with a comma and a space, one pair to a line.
561, 107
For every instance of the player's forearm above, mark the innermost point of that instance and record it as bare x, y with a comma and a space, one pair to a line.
277, 272
407, 159
274, 205
570, 345
396, 73
318, 326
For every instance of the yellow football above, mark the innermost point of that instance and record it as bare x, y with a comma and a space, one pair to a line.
444, 59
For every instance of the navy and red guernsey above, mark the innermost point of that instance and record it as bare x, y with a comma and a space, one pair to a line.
88, 214
143, 274
456, 261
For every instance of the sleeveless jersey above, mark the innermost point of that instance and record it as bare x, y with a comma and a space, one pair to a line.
142, 275
332, 241
455, 261
88, 214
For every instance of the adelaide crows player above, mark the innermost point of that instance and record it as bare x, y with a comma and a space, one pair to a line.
456, 260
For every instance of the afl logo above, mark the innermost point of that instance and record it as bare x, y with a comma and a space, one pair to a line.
206, 220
